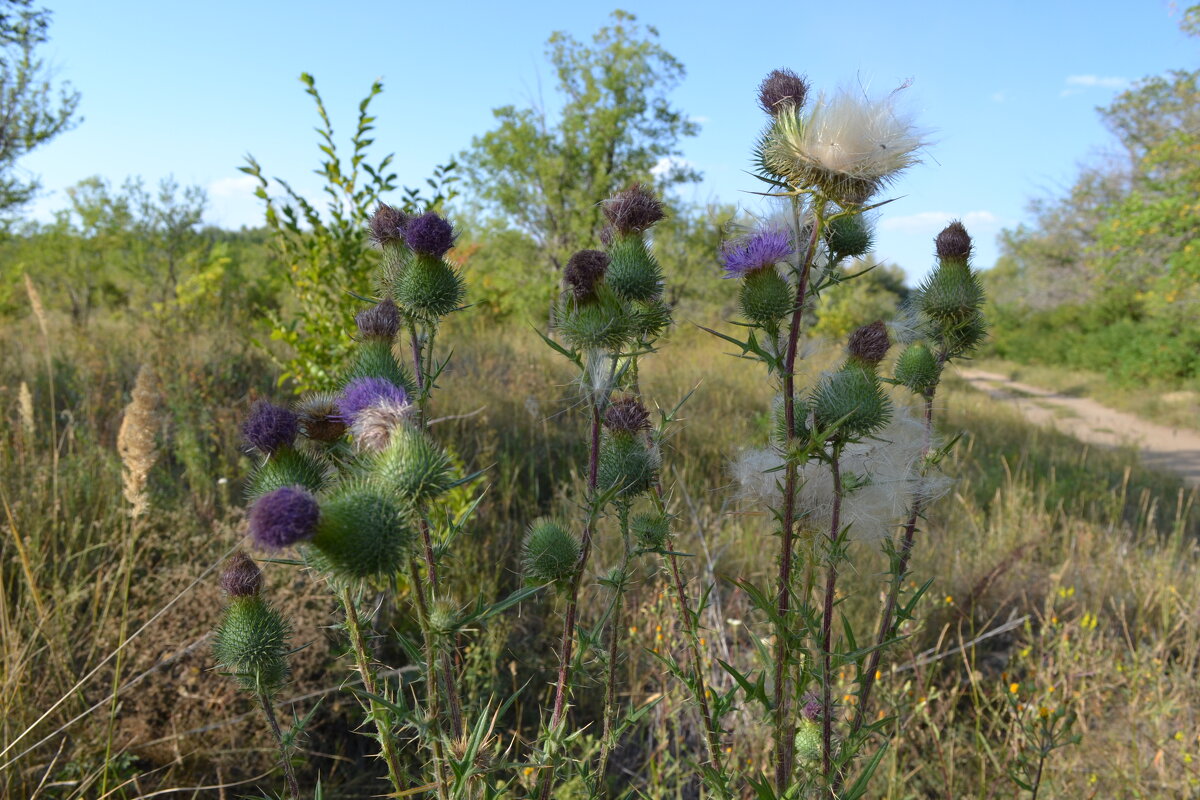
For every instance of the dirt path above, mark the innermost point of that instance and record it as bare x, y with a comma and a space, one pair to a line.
1169, 449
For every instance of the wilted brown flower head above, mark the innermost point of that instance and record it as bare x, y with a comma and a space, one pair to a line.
870, 343
634, 209
584, 271
241, 576
319, 417
627, 415
954, 242
387, 225
782, 89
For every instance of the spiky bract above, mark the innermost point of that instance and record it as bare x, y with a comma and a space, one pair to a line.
848, 237
853, 398
633, 271
319, 417
651, 530
951, 293
765, 297
288, 467
429, 287
647, 320
251, 642
550, 552
600, 325
365, 532
917, 368
627, 465
412, 465
808, 741
374, 358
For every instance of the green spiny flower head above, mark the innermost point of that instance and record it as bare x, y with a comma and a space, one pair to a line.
848, 237
869, 344
289, 467
412, 466
633, 271
365, 532
647, 320
853, 396
429, 288
765, 297
917, 368
374, 358
251, 642
442, 617
808, 741
627, 464
953, 293
550, 552
604, 324
651, 530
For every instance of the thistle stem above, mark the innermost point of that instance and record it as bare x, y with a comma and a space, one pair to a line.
889, 607
607, 743
432, 682
376, 710
288, 772
568, 635
784, 744
827, 629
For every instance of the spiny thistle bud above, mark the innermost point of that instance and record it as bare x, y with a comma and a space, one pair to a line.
375, 425
782, 90
600, 325
319, 417
364, 532
412, 466
442, 617
269, 427
288, 467
762, 249
361, 393
633, 271
651, 530
387, 225
251, 643
634, 209
373, 358
583, 273
852, 397
917, 368
380, 321
284, 517
848, 237
429, 234
627, 415
951, 294
808, 741
626, 464
549, 553
429, 287
869, 344
765, 297
241, 576
954, 243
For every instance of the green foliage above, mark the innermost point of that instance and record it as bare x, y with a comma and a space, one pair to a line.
326, 256
32, 109
545, 172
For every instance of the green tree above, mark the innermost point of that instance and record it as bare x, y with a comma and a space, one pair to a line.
32, 109
545, 171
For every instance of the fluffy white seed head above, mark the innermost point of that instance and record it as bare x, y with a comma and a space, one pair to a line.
373, 426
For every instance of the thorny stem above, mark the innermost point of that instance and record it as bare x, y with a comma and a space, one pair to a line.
431, 674
377, 712
607, 742
784, 744
889, 607
827, 629
568, 636
288, 771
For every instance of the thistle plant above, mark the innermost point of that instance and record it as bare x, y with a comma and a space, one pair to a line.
852, 469
349, 479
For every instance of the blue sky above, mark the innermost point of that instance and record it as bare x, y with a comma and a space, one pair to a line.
1008, 90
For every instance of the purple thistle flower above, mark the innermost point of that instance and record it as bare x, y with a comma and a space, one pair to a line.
284, 517
241, 576
627, 415
429, 234
269, 427
765, 247
361, 393
812, 706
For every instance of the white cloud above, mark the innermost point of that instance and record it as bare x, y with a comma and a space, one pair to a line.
232, 203
668, 164
931, 222
999, 97
1078, 83
240, 186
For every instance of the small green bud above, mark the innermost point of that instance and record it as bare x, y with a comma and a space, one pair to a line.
808, 741
364, 532
633, 271
951, 294
651, 530
550, 552
853, 396
412, 465
848, 237
602, 324
626, 464
647, 320
430, 288
251, 642
917, 368
288, 467
766, 297
373, 358
442, 617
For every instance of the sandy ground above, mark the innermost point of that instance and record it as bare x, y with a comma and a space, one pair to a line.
1170, 449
